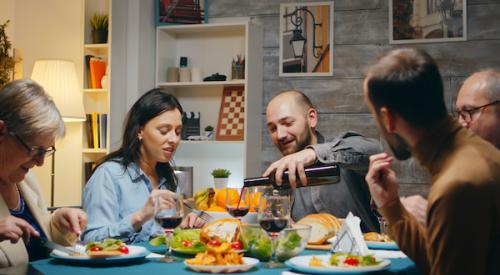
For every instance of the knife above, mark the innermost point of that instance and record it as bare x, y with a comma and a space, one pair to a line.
55, 246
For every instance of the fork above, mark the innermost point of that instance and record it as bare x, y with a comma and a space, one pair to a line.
200, 213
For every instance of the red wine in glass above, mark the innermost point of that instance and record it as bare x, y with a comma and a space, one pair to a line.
238, 212
240, 208
169, 222
273, 225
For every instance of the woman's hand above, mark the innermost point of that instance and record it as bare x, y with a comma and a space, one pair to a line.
166, 200
71, 220
192, 221
12, 228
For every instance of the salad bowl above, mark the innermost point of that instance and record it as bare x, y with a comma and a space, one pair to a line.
291, 241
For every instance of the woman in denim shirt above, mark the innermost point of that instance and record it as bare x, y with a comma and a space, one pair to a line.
119, 197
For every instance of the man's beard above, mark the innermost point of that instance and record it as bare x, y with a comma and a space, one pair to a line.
301, 144
400, 149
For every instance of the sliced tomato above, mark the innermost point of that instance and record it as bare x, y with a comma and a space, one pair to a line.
186, 243
124, 249
214, 242
351, 261
237, 245
95, 248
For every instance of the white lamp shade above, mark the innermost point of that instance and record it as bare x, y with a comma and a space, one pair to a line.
59, 79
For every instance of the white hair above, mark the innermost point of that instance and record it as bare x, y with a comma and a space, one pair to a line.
29, 111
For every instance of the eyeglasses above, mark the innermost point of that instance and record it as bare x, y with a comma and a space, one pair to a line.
34, 151
467, 114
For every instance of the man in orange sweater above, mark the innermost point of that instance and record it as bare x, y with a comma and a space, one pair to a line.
462, 233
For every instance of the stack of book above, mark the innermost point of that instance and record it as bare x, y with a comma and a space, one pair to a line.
96, 69
96, 129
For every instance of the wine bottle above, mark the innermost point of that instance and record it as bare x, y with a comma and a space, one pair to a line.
316, 175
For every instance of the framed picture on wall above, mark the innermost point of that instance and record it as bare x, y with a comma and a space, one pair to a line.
170, 12
422, 21
306, 39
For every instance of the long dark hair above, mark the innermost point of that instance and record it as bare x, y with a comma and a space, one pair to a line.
148, 106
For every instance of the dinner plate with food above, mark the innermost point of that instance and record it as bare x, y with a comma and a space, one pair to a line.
338, 263
107, 251
376, 240
193, 241
220, 257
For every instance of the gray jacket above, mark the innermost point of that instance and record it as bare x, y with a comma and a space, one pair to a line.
351, 151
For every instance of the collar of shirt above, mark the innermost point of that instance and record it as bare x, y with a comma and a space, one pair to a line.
136, 174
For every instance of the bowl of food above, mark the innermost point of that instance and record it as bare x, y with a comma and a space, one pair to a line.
291, 241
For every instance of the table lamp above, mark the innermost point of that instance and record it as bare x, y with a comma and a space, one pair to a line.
60, 81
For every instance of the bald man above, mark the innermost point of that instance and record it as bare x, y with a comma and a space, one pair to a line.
478, 105
478, 109
291, 122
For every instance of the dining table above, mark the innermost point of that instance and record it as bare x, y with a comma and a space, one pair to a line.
151, 266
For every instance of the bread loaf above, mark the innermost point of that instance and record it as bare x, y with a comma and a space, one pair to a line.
376, 237
323, 227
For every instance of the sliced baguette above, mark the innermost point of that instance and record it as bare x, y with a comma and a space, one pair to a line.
323, 227
319, 229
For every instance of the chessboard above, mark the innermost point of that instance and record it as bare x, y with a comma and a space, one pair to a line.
231, 125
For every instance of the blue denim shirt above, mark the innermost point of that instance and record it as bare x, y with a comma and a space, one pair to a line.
111, 196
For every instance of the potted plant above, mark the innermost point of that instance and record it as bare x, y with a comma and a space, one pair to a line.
220, 177
6, 60
99, 23
209, 132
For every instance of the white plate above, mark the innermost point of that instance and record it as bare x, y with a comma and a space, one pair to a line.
248, 264
382, 245
135, 253
301, 263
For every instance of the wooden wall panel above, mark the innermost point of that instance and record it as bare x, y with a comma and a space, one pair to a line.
360, 35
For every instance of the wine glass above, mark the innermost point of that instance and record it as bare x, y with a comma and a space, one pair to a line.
169, 219
238, 203
274, 213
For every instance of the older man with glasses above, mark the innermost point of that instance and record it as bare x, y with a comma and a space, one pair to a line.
477, 105
477, 109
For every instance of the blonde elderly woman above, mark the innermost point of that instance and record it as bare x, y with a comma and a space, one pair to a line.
29, 124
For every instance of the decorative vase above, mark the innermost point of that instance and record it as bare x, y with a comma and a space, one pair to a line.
209, 135
100, 36
220, 183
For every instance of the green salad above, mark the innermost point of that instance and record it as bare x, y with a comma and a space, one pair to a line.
258, 245
350, 260
184, 240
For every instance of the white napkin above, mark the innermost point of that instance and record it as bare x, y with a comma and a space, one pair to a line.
291, 273
154, 255
351, 238
388, 254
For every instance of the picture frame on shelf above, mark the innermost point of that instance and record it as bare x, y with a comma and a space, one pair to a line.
231, 122
306, 39
424, 21
171, 12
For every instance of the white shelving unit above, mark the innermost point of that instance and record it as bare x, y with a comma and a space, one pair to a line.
212, 47
96, 100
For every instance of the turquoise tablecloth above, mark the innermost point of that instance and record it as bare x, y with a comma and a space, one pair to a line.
150, 267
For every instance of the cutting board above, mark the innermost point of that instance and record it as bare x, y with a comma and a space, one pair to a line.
327, 246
